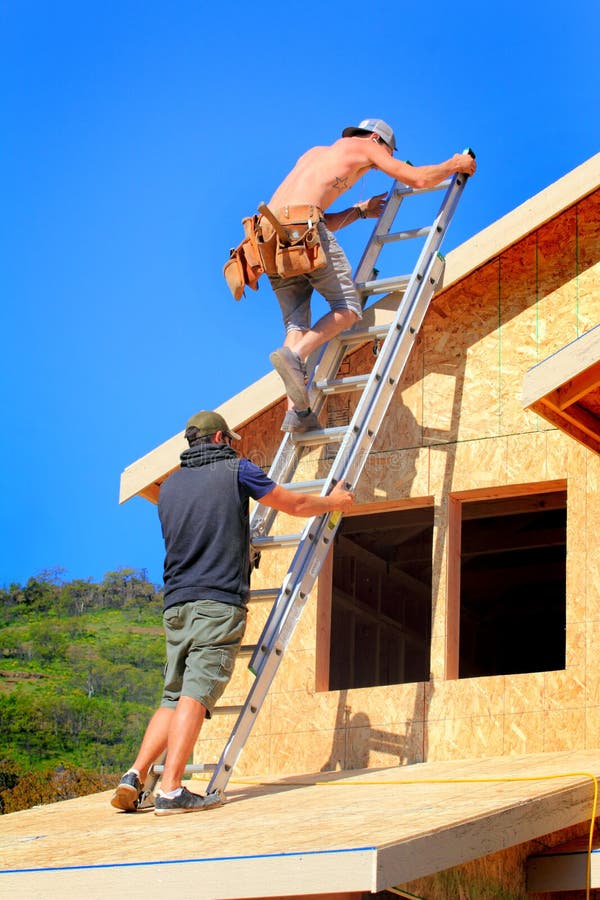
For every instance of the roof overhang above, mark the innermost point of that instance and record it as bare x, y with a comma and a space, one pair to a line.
565, 389
144, 476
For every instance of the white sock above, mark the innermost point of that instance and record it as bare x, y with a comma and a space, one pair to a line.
170, 795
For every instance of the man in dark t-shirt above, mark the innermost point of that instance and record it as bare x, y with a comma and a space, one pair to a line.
204, 514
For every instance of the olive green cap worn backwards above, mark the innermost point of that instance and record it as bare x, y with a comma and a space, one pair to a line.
208, 422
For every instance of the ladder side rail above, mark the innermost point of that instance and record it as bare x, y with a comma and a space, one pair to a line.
288, 455
398, 192
305, 572
368, 417
403, 330
313, 532
430, 248
324, 528
356, 446
352, 455
282, 467
376, 398
421, 275
424, 265
272, 621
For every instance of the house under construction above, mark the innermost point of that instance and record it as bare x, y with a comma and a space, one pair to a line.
431, 727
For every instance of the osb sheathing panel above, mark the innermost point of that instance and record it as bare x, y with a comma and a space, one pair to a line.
518, 342
455, 424
588, 241
557, 283
463, 348
591, 540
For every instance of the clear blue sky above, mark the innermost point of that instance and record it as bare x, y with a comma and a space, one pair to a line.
135, 136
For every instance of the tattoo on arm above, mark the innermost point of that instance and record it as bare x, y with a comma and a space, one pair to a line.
340, 184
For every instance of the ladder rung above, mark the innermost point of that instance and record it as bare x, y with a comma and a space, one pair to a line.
408, 191
343, 385
264, 594
305, 487
227, 710
325, 436
359, 335
403, 235
383, 285
247, 649
189, 769
276, 542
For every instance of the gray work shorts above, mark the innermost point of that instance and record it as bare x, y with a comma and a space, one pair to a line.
203, 639
333, 281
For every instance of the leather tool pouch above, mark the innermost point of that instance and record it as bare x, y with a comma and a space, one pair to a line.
301, 254
289, 240
233, 271
267, 247
244, 266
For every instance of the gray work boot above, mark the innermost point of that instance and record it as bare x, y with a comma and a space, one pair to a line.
185, 802
295, 424
292, 372
128, 793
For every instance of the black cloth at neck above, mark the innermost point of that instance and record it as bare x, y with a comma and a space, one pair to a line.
203, 454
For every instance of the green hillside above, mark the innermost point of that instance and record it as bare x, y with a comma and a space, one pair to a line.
80, 673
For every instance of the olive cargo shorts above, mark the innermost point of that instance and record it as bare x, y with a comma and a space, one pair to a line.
203, 639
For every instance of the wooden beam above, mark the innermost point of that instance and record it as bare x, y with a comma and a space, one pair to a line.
151, 492
569, 425
513, 506
579, 386
324, 589
577, 416
454, 536
511, 491
568, 363
563, 389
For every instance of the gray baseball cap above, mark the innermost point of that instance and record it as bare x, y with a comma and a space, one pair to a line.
368, 126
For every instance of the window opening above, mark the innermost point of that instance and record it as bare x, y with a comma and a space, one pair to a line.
381, 599
513, 584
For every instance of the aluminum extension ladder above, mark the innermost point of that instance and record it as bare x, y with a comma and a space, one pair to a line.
356, 441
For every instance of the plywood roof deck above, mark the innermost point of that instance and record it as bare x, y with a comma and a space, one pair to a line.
565, 389
366, 830
144, 476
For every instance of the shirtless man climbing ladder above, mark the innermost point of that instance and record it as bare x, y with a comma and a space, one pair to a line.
319, 177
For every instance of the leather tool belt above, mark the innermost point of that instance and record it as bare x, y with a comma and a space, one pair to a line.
283, 243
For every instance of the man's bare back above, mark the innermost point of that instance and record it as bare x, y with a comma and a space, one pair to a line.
323, 174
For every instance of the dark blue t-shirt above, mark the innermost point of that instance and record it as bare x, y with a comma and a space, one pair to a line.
203, 510
252, 481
